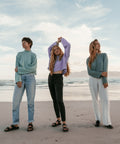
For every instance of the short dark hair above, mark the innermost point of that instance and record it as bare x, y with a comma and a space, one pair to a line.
27, 39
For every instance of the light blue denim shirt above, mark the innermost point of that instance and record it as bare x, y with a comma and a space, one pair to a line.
99, 65
26, 62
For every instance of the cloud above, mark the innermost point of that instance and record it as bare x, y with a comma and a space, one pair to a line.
6, 49
94, 9
32, 5
27, 3
9, 21
96, 28
52, 31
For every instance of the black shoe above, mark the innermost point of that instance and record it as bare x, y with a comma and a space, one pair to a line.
65, 128
109, 126
30, 127
11, 128
57, 123
97, 123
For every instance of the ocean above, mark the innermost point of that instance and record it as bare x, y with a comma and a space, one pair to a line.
68, 82
74, 89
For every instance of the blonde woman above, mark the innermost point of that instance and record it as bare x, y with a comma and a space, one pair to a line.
58, 66
97, 66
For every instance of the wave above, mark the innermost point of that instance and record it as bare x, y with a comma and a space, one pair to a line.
70, 82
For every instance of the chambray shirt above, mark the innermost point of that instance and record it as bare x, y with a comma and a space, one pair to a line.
61, 65
99, 65
26, 62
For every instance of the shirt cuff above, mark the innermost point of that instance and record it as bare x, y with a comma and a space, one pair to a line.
17, 77
104, 80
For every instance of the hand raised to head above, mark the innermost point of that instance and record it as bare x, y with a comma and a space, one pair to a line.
59, 39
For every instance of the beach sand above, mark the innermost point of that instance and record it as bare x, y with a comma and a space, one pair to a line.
80, 119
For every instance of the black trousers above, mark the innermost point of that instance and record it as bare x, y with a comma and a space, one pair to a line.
55, 83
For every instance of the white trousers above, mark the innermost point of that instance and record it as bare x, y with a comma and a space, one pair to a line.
96, 87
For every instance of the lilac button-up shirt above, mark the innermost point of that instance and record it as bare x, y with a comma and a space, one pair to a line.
61, 65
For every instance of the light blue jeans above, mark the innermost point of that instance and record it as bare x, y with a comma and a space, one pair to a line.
28, 83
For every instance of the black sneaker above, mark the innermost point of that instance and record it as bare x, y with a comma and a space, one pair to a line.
97, 123
109, 126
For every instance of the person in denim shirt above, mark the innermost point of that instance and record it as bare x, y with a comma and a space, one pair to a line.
97, 67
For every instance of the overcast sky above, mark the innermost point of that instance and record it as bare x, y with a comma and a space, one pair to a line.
79, 21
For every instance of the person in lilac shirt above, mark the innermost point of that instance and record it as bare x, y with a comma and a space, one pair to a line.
58, 66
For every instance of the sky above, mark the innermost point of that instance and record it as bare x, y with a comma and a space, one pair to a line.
78, 21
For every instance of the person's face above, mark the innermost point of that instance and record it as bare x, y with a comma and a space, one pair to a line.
97, 46
25, 44
56, 50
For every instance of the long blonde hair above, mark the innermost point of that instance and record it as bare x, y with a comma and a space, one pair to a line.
53, 60
92, 51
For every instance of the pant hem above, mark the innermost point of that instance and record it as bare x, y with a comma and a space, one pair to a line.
31, 121
15, 123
